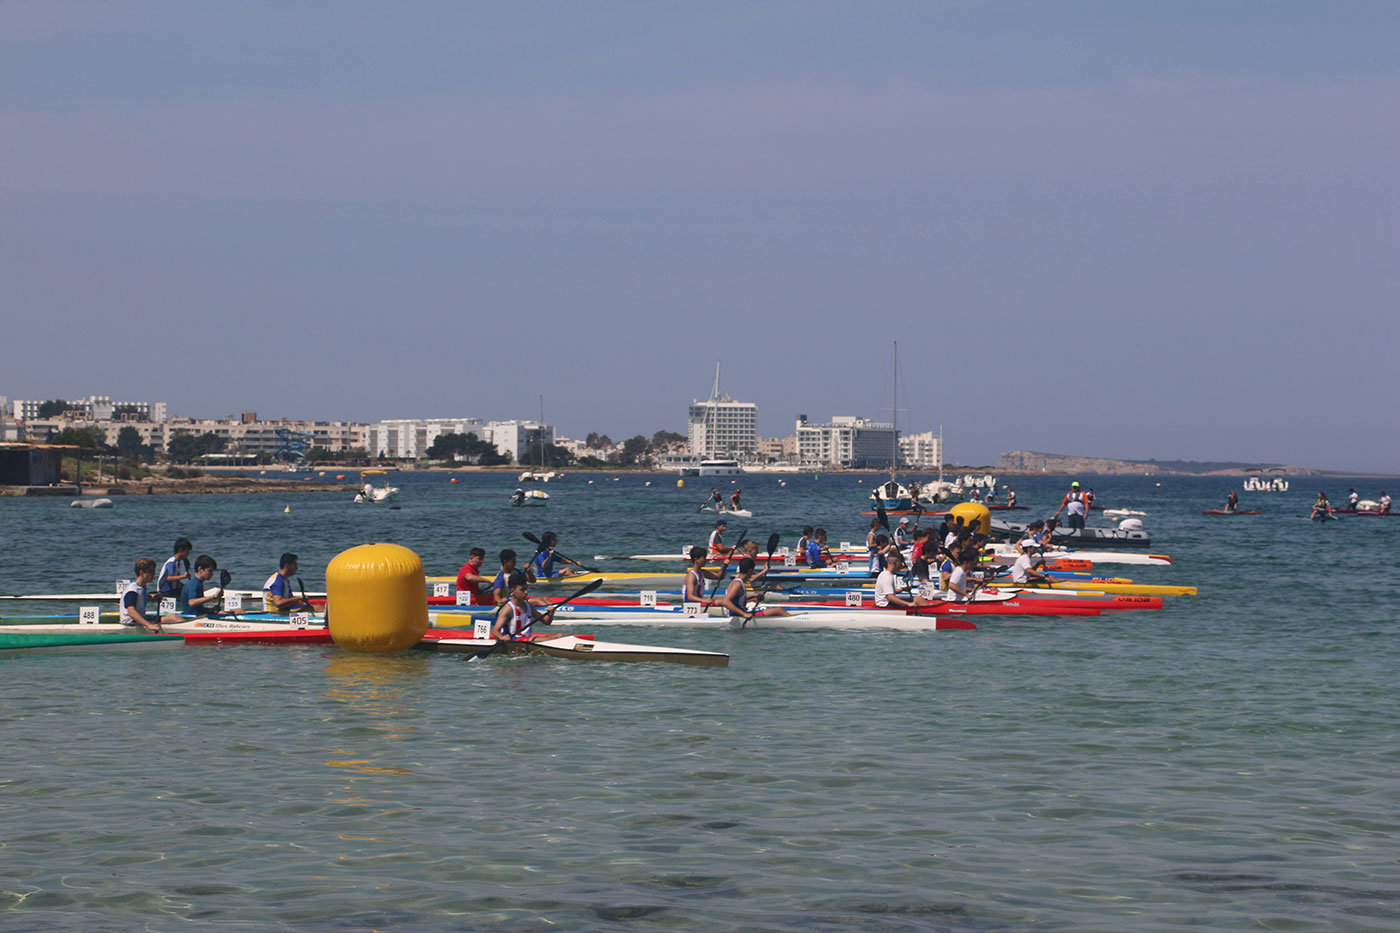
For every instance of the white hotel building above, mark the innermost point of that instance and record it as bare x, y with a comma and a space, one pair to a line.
721, 428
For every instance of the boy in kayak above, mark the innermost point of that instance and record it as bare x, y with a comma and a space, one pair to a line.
133, 602
1352, 499
959, 590
277, 591
470, 579
176, 570
500, 586
1023, 570
193, 597
717, 539
546, 556
516, 619
903, 533
695, 577
817, 553
735, 599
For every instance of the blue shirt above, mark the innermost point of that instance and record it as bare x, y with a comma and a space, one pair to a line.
193, 589
814, 555
544, 564
173, 567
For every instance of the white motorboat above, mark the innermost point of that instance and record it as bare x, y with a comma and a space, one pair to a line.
372, 491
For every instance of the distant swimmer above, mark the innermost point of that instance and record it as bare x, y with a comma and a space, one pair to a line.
1232, 502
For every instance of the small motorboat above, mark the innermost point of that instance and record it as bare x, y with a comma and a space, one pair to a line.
372, 491
91, 504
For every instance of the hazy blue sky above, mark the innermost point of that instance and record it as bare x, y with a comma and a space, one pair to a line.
1125, 229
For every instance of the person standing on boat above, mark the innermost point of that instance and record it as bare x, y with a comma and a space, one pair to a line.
1352, 499
175, 571
736, 596
1232, 502
543, 563
1384, 501
470, 579
734, 500
1074, 505
715, 501
717, 539
515, 621
133, 601
193, 598
887, 585
1010, 498
277, 591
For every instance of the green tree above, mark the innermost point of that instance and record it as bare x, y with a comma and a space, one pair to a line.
662, 438
185, 447
635, 450
596, 440
80, 437
52, 408
129, 442
553, 455
465, 448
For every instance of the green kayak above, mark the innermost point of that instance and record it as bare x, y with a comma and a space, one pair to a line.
18, 643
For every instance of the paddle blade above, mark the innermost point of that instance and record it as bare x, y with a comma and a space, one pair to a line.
224, 578
773, 543
531, 538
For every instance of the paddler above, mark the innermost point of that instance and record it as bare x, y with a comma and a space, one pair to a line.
175, 571
277, 591
871, 547
500, 585
1232, 502
715, 501
735, 599
695, 577
959, 590
818, 555
1010, 498
516, 619
1321, 507
806, 539
904, 533
133, 602
1384, 501
543, 563
734, 500
471, 581
1352, 499
717, 539
887, 584
1023, 570
193, 596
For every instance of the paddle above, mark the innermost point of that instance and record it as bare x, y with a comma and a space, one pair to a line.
539, 546
224, 578
724, 568
772, 546
306, 602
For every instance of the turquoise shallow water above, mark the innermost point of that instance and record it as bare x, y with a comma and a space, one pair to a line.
1227, 763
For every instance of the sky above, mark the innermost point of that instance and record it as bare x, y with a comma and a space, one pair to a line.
1147, 229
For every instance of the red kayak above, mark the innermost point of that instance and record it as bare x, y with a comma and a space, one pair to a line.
1376, 512
271, 636
1236, 512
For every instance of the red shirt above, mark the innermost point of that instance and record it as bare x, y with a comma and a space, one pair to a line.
481, 592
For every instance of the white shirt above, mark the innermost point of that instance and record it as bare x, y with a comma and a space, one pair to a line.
948, 541
715, 542
959, 578
885, 586
1020, 569
1076, 507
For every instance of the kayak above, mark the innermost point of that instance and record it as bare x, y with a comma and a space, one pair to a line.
736, 513
1123, 513
267, 636
1102, 537
69, 624
835, 617
577, 580
253, 596
574, 648
25, 643
1227, 512
1374, 512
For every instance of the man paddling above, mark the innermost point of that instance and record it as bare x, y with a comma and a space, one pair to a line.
277, 591
470, 580
735, 599
1232, 502
516, 619
133, 601
887, 585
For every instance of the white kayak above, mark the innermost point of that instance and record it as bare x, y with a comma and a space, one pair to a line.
849, 620
1116, 514
575, 648
734, 513
114, 596
243, 624
1009, 552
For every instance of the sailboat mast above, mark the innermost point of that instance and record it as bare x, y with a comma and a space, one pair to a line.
894, 414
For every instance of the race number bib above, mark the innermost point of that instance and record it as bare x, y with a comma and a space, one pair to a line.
789, 560
928, 590
89, 615
121, 586
842, 567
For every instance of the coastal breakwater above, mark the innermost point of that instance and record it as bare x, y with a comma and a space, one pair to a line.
1032, 461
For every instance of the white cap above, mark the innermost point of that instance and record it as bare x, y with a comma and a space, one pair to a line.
1026, 543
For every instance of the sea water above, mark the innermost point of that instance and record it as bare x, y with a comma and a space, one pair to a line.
1228, 763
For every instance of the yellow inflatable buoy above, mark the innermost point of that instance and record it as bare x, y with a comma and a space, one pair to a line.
376, 598
971, 512
680, 484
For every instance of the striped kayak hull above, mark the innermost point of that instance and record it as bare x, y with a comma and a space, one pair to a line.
575, 648
845, 619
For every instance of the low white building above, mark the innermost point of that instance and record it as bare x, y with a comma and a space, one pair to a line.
94, 408
410, 438
514, 439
